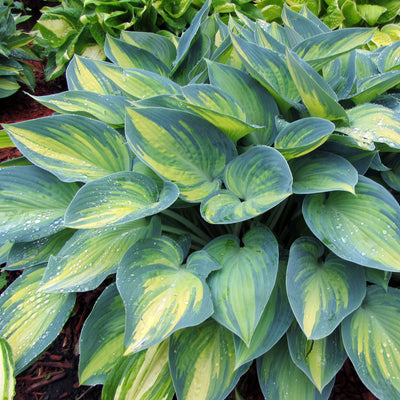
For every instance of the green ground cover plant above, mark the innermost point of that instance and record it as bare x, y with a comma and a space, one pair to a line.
239, 186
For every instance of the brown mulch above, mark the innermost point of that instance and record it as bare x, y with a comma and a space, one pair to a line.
54, 375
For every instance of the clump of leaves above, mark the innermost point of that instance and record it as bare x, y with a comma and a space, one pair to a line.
240, 188
80, 27
14, 50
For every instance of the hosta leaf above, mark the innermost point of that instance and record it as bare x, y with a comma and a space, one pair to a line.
364, 228
159, 298
91, 255
257, 180
321, 292
372, 341
141, 376
180, 147
116, 199
280, 378
371, 123
319, 49
371, 12
319, 359
4, 251
126, 55
219, 108
241, 288
72, 147
303, 136
266, 40
270, 70
389, 57
256, 101
320, 172
32, 203
392, 177
317, 95
30, 321
380, 278
106, 108
5, 140
371, 87
202, 362
161, 46
101, 342
28, 254
274, 322
7, 380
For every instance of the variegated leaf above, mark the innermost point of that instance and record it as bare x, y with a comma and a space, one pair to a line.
371, 123
28, 254
256, 181
280, 378
303, 136
32, 203
241, 289
372, 341
159, 297
92, 255
317, 95
389, 58
106, 108
141, 376
319, 359
116, 199
72, 147
101, 342
256, 101
202, 362
219, 108
4, 251
364, 229
5, 140
7, 380
180, 147
274, 322
392, 177
319, 49
30, 321
321, 293
320, 172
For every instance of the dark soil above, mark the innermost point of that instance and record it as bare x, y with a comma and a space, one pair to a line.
54, 375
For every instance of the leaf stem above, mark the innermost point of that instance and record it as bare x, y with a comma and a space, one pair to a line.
179, 231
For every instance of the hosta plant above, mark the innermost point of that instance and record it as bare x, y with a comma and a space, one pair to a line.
239, 189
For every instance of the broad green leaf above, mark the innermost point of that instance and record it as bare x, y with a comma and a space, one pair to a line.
141, 376
389, 58
270, 70
106, 108
159, 298
15, 162
202, 362
280, 378
274, 322
241, 288
28, 254
264, 39
91, 255
256, 181
116, 199
126, 55
161, 46
5, 140
180, 147
322, 292
317, 95
320, 172
371, 123
219, 108
392, 177
30, 321
4, 251
32, 203
371, 87
371, 12
8, 87
101, 342
362, 228
319, 359
7, 380
72, 147
320, 49
256, 101
378, 277
303, 136
372, 341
